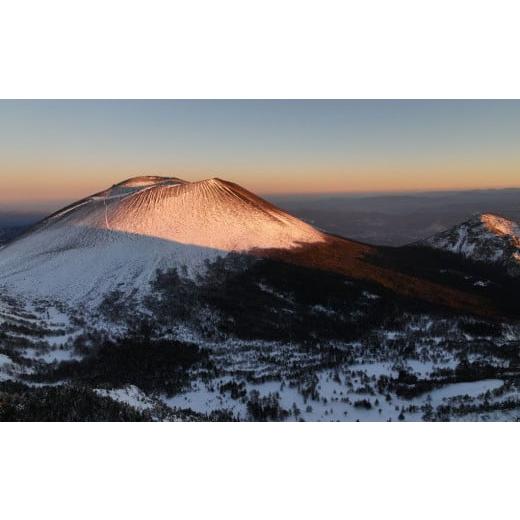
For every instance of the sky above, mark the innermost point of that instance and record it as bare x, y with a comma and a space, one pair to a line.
53, 152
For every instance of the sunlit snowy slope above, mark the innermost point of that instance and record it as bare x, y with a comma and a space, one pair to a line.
118, 238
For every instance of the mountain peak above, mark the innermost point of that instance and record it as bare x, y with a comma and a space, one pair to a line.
144, 180
119, 237
486, 237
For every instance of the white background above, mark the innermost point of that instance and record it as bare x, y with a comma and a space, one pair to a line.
267, 49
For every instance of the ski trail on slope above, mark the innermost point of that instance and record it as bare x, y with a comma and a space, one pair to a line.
106, 213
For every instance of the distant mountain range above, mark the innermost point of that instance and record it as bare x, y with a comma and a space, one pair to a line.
398, 219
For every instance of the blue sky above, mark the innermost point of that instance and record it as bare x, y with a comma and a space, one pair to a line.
59, 150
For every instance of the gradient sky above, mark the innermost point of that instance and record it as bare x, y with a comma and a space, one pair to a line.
57, 151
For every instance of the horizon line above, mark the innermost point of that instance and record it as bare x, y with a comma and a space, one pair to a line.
42, 204
390, 192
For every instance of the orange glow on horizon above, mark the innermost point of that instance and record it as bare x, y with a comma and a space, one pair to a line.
54, 185
57, 184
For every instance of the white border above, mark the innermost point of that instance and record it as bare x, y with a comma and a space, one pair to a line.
252, 49
259, 471
259, 49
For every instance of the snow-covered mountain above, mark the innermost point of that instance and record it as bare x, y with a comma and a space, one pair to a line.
306, 326
484, 238
118, 238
